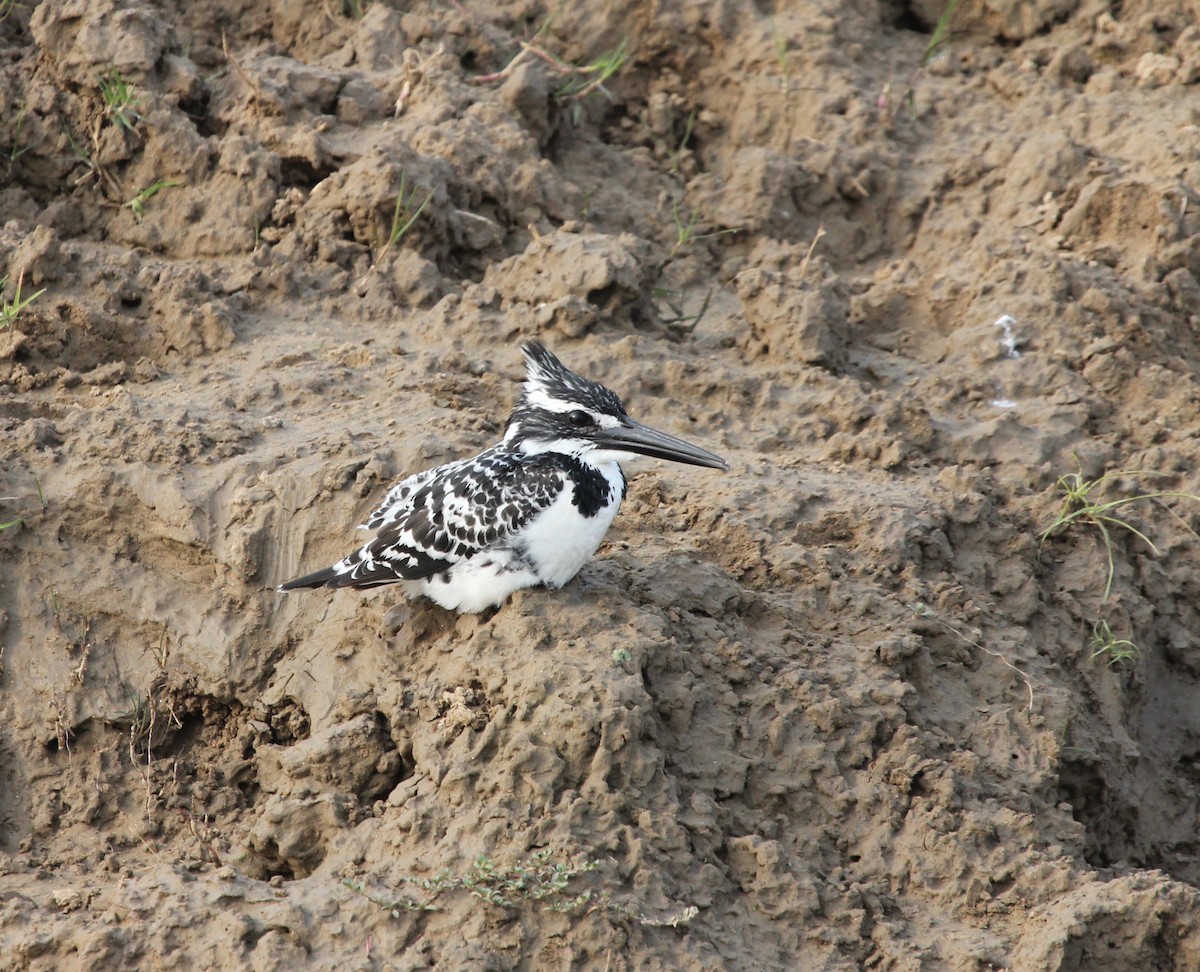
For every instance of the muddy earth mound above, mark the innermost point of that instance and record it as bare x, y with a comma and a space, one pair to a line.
916, 685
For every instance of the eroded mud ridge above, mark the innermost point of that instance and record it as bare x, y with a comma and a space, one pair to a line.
843, 707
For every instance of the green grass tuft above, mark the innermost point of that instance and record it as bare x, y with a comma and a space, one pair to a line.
1105, 644
536, 882
404, 214
120, 100
138, 203
10, 308
1079, 506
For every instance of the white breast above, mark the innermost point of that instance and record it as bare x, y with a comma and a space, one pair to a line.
561, 540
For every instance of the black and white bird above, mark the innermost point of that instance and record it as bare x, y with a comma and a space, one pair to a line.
530, 510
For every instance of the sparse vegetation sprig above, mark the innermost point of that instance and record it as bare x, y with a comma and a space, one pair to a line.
784, 62
677, 155
812, 248
10, 308
937, 39
579, 81
680, 322
9, 524
940, 31
582, 81
138, 203
120, 100
21, 144
404, 214
536, 881
686, 230
506, 886
1080, 506
1105, 644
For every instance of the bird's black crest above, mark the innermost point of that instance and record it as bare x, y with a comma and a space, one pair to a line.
545, 373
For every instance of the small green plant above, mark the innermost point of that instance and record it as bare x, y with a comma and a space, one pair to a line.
782, 58
940, 32
537, 881
162, 651
686, 231
677, 156
1104, 643
81, 153
120, 100
7, 7
21, 144
586, 213
141, 723
8, 525
679, 322
583, 81
10, 309
579, 82
937, 39
404, 215
138, 203
1079, 506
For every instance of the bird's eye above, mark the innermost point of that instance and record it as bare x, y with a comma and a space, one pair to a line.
579, 418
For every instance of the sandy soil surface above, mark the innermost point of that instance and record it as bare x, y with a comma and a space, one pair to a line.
839, 708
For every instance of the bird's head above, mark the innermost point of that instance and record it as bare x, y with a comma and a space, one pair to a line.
560, 411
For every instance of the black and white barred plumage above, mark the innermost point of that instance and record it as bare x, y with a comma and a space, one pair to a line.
530, 510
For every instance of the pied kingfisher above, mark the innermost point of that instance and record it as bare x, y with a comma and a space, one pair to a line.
529, 510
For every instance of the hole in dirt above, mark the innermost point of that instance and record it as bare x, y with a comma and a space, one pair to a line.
999, 886
65, 739
185, 735
1136, 788
1188, 766
602, 297
289, 722
53, 746
208, 126
272, 865
294, 171
1108, 824
905, 18
250, 791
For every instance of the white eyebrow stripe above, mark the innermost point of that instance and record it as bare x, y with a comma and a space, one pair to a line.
538, 398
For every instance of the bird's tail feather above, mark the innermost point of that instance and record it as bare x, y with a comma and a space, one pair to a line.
319, 578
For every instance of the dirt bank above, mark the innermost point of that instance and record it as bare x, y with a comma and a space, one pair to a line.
840, 708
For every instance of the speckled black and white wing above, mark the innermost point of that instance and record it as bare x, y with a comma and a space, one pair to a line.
430, 522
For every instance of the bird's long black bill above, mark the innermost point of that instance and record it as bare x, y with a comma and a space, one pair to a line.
632, 436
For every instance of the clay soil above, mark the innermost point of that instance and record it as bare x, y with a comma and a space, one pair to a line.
840, 708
